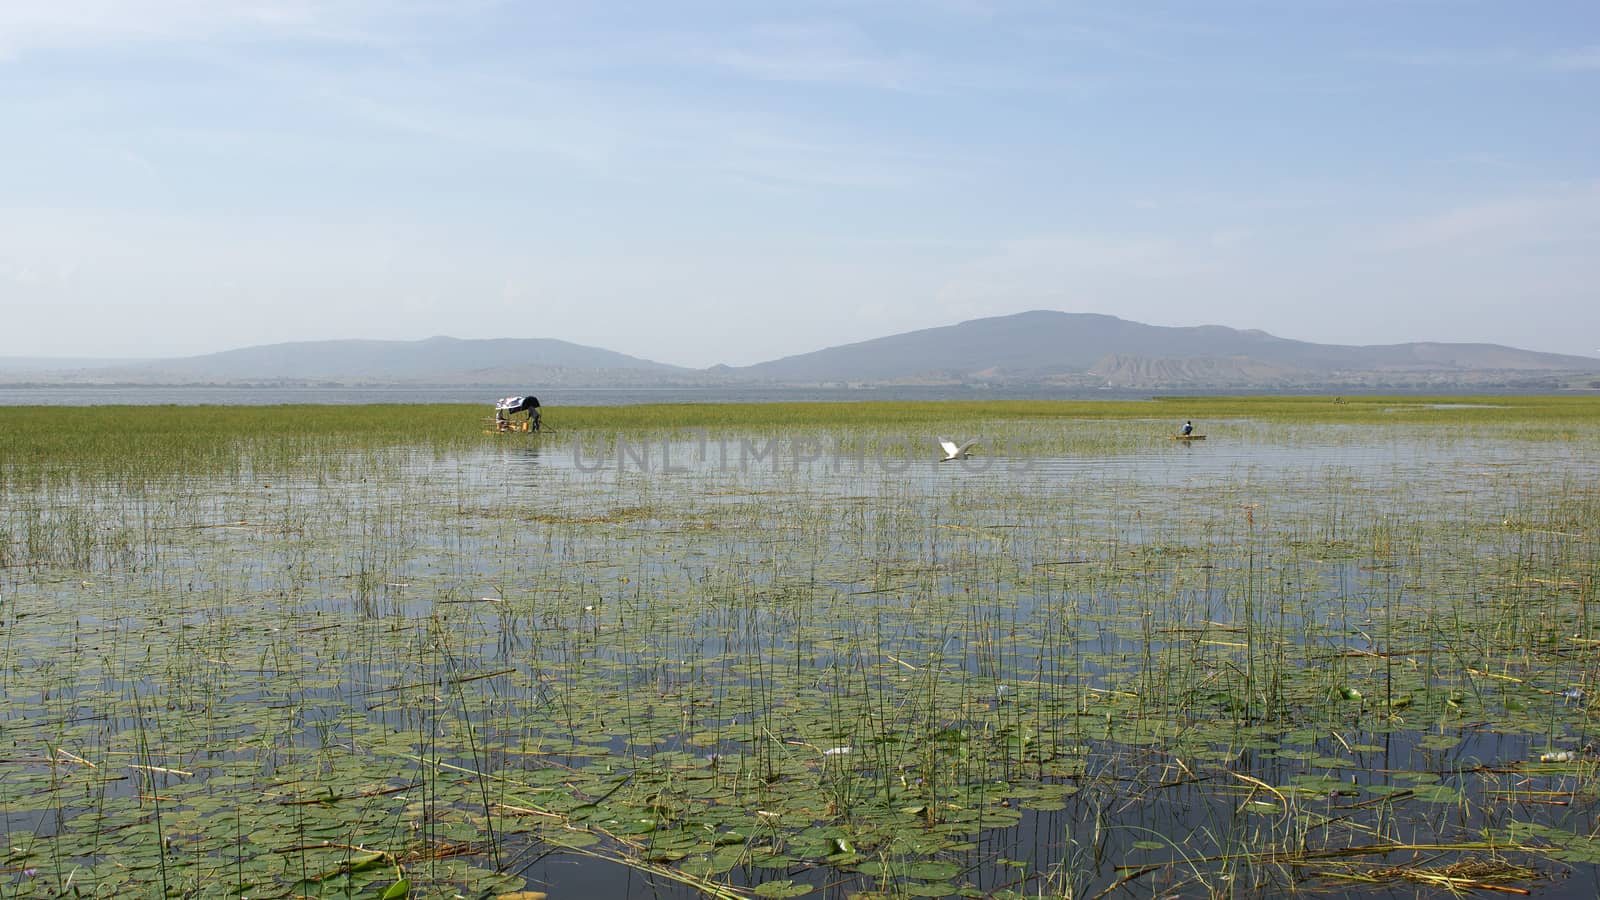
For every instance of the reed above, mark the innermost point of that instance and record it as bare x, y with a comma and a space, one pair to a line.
325, 652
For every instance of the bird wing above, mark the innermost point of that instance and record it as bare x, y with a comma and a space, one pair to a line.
950, 448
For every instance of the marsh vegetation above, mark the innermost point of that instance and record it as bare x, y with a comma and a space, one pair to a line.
780, 650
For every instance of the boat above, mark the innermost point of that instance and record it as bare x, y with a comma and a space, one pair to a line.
505, 408
1188, 437
501, 426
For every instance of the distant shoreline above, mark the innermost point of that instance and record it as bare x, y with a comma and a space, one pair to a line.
241, 395
237, 395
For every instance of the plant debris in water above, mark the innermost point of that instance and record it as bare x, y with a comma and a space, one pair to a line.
1333, 653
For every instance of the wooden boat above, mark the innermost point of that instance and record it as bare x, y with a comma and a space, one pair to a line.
1188, 437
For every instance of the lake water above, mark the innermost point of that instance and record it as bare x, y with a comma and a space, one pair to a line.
791, 667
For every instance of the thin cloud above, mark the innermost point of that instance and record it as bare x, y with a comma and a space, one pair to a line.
1556, 215
843, 54
1034, 269
812, 53
1436, 58
622, 133
1579, 59
33, 25
1585, 59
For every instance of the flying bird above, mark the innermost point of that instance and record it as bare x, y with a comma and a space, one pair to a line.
951, 451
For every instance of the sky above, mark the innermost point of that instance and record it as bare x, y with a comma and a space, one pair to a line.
728, 182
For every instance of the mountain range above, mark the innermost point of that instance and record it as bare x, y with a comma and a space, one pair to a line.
1042, 347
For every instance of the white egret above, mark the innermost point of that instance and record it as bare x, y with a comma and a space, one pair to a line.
952, 451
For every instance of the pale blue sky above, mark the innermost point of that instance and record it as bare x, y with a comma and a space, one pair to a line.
732, 181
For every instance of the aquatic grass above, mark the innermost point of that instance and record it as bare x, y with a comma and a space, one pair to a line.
431, 664
132, 442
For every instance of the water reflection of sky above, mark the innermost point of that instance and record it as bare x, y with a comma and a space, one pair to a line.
1039, 583
913, 464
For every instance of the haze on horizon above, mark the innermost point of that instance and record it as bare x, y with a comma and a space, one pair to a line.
728, 182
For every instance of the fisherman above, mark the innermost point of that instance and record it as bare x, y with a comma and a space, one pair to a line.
507, 407
1188, 428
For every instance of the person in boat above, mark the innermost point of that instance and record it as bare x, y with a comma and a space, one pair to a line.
1188, 428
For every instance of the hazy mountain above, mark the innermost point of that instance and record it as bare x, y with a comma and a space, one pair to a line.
443, 360
1032, 348
13, 366
1051, 346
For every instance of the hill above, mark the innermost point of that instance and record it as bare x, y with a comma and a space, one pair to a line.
1043, 347
1049, 346
436, 360
26, 367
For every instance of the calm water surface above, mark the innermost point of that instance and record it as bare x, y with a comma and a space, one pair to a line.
654, 602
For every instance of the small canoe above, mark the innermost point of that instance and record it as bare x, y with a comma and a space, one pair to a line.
1188, 437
